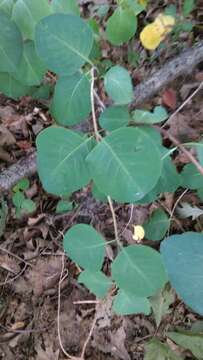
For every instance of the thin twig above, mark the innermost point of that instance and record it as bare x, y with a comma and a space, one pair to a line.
114, 221
15, 256
97, 135
174, 207
187, 153
88, 338
183, 104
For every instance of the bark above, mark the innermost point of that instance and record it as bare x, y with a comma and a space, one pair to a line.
183, 64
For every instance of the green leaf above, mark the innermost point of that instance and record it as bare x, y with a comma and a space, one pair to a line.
63, 42
200, 193
6, 6
3, 216
21, 185
161, 302
188, 7
191, 177
66, 7
131, 159
71, 102
61, 157
30, 70
85, 246
146, 117
183, 259
28, 206
199, 148
96, 282
155, 350
139, 269
128, 304
189, 340
27, 13
64, 206
156, 227
121, 26
135, 6
114, 117
41, 92
11, 87
18, 199
11, 44
118, 85
170, 179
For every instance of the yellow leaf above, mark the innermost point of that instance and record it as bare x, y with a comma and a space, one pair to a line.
139, 233
152, 35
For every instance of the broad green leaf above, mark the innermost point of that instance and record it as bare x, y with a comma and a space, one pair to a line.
61, 157
118, 85
114, 117
156, 350
18, 199
28, 206
130, 159
27, 13
121, 26
136, 6
153, 134
65, 6
157, 225
189, 340
63, 42
199, 149
146, 117
127, 304
139, 269
30, 70
42, 92
191, 177
85, 246
11, 44
11, 87
200, 193
71, 102
161, 302
64, 206
170, 179
96, 282
188, 7
6, 6
183, 259
3, 216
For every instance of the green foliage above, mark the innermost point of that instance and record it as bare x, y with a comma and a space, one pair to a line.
96, 282
144, 268
70, 106
157, 225
182, 255
118, 85
126, 303
121, 26
11, 44
66, 150
124, 154
156, 350
63, 42
128, 163
192, 341
85, 246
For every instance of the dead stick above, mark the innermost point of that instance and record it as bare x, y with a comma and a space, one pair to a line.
181, 65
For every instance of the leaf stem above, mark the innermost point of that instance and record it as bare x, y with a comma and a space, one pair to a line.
94, 119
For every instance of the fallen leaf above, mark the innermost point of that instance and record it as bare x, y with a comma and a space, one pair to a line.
6, 137
186, 210
169, 98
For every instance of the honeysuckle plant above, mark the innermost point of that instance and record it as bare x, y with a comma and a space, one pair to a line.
123, 159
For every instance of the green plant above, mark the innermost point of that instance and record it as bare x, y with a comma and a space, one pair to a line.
124, 161
23, 205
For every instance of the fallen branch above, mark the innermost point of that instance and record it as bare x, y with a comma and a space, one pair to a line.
181, 65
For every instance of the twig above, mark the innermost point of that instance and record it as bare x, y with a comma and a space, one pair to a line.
15, 256
97, 135
174, 207
114, 221
183, 104
182, 148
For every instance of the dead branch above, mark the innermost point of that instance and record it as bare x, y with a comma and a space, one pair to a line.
183, 64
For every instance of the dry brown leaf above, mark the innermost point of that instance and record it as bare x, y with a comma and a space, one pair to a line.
6, 137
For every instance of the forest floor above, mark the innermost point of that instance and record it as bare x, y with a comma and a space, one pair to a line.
31, 254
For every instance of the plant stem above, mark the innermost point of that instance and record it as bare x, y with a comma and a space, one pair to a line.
94, 119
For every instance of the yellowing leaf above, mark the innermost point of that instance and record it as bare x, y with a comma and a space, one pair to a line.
152, 35
139, 233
